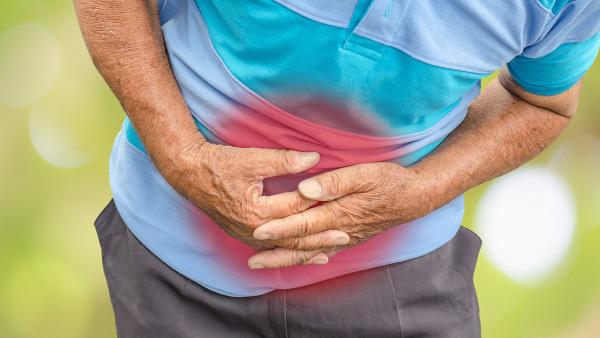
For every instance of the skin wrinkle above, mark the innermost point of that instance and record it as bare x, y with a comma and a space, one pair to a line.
504, 128
527, 129
126, 45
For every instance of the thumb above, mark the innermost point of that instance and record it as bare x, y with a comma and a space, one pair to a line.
279, 162
332, 185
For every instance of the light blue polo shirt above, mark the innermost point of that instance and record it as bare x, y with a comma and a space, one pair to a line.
356, 80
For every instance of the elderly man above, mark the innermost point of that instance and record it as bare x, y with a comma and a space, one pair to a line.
296, 168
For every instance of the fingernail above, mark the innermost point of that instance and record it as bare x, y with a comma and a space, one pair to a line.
255, 266
319, 259
310, 188
342, 240
263, 236
309, 158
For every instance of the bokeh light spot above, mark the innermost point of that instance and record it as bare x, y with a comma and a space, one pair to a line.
29, 64
527, 221
54, 141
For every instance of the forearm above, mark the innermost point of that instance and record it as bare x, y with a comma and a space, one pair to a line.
125, 42
501, 132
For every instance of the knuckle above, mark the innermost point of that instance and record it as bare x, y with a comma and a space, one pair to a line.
363, 174
304, 228
336, 214
314, 242
299, 257
252, 193
260, 163
250, 218
324, 240
334, 184
296, 243
306, 256
281, 258
286, 159
298, 204
260, 214
293, 203
253, 222
253, 215
265, 207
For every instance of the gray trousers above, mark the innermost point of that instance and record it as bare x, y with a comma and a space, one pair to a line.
430, 296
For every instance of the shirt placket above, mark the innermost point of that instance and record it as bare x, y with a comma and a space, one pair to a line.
380, 24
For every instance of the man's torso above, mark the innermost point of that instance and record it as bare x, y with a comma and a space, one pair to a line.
357, 81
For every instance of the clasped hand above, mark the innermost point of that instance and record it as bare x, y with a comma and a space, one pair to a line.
362, 200
358, 202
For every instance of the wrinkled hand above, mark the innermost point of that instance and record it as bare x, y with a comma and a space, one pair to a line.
362, 200
227, 183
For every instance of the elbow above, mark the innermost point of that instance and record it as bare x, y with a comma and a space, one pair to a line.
563, 104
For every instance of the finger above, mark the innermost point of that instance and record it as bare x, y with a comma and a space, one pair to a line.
309, 222
277, 162
280, 258
320, 259
334, 251
284, 204
326, 240
334, 184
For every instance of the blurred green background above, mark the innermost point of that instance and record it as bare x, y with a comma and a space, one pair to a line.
57, 123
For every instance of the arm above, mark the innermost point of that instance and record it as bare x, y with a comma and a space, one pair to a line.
505, 127
126, 44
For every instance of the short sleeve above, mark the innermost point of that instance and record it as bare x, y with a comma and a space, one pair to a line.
565, 51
